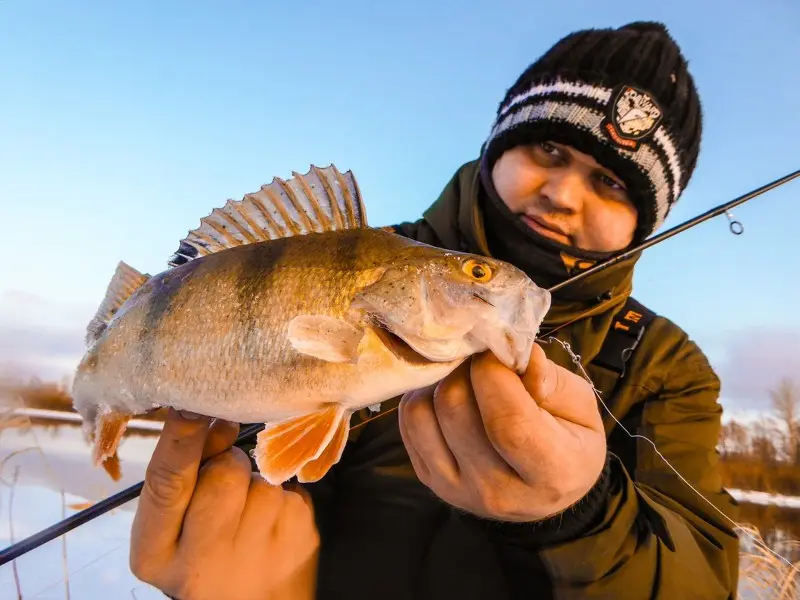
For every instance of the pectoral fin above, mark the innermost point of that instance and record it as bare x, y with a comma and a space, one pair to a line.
326, 338
290, 447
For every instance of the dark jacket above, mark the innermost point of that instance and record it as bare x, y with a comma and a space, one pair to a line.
386, 536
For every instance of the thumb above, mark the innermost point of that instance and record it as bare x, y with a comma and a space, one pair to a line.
168, 487
561, 392
541, 379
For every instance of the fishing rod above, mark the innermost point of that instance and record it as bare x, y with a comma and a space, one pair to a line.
103, 506
95, 510
735, 226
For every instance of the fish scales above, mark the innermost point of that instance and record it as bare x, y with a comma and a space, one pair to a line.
230, 311
296, 325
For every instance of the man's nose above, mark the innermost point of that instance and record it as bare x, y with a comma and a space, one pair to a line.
566, 190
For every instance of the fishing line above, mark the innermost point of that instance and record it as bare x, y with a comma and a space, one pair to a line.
378, 416
577, 360
37, 539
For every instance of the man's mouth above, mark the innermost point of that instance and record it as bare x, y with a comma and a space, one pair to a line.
546, 229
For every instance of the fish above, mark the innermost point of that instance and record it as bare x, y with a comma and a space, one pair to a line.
286, 307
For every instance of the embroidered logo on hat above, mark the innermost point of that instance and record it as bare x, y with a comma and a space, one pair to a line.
632, 116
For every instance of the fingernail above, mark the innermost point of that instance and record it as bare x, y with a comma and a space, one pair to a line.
191, 416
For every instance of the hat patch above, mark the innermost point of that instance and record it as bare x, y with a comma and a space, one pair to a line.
632, 116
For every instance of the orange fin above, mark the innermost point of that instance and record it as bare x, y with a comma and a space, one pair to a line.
111, 466
125, 281
316, 468
108, 432
284, 447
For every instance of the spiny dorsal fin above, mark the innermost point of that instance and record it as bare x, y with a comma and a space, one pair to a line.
321, 200
125, 281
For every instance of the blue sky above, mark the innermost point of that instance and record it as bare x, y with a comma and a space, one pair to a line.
124, 123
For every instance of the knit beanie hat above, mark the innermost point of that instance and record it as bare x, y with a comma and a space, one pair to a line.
623, 96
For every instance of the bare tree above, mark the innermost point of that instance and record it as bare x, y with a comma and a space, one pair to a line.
764, 433
786, 404
734, 439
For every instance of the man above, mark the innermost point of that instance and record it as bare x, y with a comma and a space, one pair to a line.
492, 485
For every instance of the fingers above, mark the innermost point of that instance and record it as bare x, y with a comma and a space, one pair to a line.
301, 491
264, 502
296, 531
280, 517
424, 439
460, 421
297, 517
420, 468
519, 430
168, 487
219, 498
221, 435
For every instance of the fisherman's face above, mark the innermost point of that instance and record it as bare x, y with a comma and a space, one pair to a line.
566, 196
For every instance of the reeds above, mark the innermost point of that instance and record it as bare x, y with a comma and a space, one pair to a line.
11, 529
762, 574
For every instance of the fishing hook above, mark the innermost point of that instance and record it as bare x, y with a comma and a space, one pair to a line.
57, 529
735, 226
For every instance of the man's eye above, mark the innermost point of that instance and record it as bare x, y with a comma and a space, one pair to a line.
611, 182
549, 148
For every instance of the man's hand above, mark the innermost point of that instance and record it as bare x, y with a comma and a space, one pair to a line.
502, 446
219, 531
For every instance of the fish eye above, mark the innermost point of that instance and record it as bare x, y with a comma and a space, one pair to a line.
479, 271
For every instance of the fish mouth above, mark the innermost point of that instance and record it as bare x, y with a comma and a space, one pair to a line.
400, 348
510, 331
418, 350
511, 347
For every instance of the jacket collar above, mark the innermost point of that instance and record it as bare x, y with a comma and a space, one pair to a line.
457, 218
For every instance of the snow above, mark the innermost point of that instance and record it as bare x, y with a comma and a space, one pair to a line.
54, 459
755, 497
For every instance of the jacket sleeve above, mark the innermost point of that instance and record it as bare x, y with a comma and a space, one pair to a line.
647, 534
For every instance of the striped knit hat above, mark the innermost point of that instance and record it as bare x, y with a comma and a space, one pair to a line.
624, 96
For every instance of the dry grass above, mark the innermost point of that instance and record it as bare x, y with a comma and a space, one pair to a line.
64, 561
11, 530
49, 396
750, 473
765, 576
37, 394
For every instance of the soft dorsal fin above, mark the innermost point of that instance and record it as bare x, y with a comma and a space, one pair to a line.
321, 200
125, 281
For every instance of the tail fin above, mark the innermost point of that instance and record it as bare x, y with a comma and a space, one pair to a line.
125, 281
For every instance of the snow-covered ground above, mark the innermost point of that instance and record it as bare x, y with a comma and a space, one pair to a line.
97, 552
765, 498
